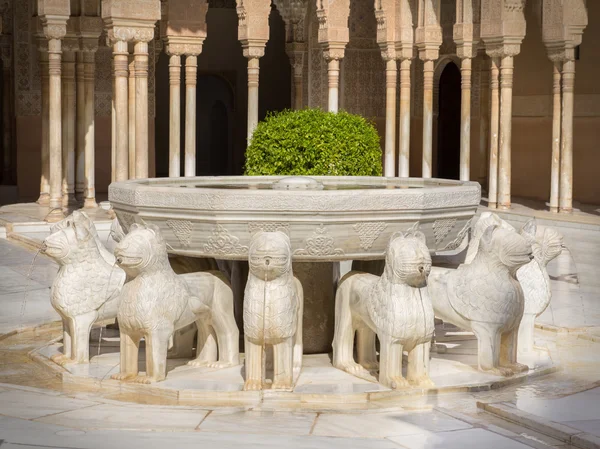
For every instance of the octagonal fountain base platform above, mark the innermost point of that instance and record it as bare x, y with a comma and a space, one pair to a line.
319, 387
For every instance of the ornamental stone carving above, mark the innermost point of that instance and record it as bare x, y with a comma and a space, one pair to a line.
182, 230
394, 307
369, 232
156, 302
441, 228
273, 307
320, 244
486, 298
221, 242
86, 287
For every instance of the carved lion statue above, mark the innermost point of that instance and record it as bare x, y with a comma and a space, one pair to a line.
156, 302
87, 285
273, 307
486, 298
546, 244
394, 307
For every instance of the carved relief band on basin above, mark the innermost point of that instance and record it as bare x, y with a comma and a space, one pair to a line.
334, 219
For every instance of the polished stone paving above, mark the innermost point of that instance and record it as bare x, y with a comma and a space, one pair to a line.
36, 410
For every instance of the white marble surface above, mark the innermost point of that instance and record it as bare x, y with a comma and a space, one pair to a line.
263, 422
27, 405
464, 439
132, 418
382, 425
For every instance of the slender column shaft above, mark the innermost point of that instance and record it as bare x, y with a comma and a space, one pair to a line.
253, 77
80, 140
566, 138
7, 124
404, 127
175, 116
298, 91
333, 76
55, 130
131, 111
556, 141
191, 75
141, 110
90, 130
504, 163
484, 121
44, 199
121, 111
68, 128
113, 130
391, 76
494, 128
427, 118
465, 119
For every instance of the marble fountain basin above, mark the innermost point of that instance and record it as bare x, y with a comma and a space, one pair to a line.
327, 218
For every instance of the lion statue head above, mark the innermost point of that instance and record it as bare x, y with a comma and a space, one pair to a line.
270, 255
407, 259
142, 249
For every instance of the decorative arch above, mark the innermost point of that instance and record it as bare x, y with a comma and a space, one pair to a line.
437, 74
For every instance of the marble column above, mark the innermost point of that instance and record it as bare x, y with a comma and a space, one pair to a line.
465, 119
504, 160
44, 199
296, 56
113, 129
191, 79
253, 55
80, 141
484, 119
556, 140
55, 130
131, 112
175, 116
298, 88
120, 55
404, 125
68, 128
391, 75
566, 138
90, 129
333, 77
141, 109
494, 127
427, 118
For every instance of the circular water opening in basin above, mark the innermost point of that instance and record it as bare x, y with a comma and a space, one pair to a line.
297, 183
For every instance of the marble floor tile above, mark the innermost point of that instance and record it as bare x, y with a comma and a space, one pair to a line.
22, 404
281, 423
591, 426
462, 439
131, 418
577, 407
381, 425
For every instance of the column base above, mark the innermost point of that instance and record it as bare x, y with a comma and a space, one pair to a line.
564, 210
554, 210
504, 206
80, 195
90, 203
492, 205
44, 199
55, 216
69, 199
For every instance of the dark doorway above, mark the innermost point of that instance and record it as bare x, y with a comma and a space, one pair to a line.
448, 147
214, 125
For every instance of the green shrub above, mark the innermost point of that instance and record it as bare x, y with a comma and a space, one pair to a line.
312, 142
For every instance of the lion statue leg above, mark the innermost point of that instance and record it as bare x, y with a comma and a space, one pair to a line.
488, 349
253, 366
130, 346
298, 344
225, 327
508, 351
417, 371
283, 364
80, 338
157, 345
66, 355
365, 348
206, 347
390, 366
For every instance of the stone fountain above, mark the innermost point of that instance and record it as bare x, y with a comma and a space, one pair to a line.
327, 219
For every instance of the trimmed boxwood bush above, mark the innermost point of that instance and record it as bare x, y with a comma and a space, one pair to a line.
313, 142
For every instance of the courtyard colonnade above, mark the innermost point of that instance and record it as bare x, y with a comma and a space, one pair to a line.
67, 40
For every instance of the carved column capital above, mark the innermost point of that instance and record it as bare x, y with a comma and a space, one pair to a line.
253, 50
54, 27
180, 45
